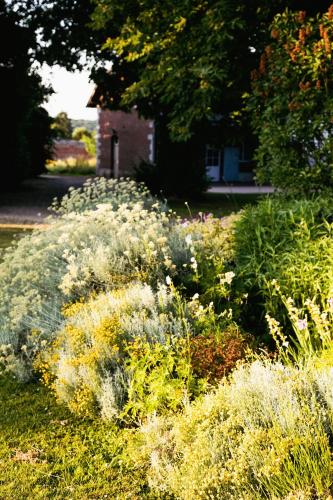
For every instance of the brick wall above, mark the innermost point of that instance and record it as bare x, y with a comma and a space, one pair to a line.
63, 149
135, 142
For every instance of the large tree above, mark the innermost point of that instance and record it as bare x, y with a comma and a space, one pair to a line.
188, 59
62, 126
187, 64
25, 137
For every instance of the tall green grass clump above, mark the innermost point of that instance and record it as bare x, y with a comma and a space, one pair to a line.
265, 433
289, 243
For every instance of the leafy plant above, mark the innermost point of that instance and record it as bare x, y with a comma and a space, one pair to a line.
291, 104
122, 353
312, 327
86, 136
214, 355
266, 433
288, 241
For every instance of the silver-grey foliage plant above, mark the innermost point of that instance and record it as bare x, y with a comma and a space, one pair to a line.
104, 235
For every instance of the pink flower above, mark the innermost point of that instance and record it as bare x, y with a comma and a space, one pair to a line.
302, 324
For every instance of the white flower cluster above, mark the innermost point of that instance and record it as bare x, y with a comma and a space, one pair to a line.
115, 192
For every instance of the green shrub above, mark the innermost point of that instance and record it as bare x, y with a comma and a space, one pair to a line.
179, 169
264, 434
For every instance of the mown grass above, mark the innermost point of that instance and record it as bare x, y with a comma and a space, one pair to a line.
47, 453
217, 204
72, 166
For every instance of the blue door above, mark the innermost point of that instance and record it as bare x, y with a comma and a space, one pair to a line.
231, 157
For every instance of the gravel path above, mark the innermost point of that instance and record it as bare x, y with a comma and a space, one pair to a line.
28, 204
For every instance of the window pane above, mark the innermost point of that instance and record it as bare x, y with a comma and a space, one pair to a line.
212, 157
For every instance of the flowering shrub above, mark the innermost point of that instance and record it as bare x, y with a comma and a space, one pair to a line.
78, 253
122, 347
291, 102
312, 328
264, 434
211, 242
101, 190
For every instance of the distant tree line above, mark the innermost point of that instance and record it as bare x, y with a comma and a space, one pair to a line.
62, 128
90, 125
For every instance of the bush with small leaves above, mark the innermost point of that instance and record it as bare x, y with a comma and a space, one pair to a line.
122, 353
96, 249
265, 433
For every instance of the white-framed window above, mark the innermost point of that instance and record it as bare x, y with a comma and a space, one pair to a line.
213, 157
213, 163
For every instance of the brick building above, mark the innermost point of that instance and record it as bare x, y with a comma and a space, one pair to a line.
124, 139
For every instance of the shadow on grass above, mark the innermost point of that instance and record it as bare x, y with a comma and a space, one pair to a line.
217, 204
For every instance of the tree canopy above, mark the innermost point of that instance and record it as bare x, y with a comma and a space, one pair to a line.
86, 136
62, 126
188, 59
184, 63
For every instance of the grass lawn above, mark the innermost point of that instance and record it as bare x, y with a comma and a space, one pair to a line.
47, 453
9, 233
72, 166
215, 203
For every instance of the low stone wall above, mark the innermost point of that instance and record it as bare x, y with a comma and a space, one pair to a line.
63, 149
